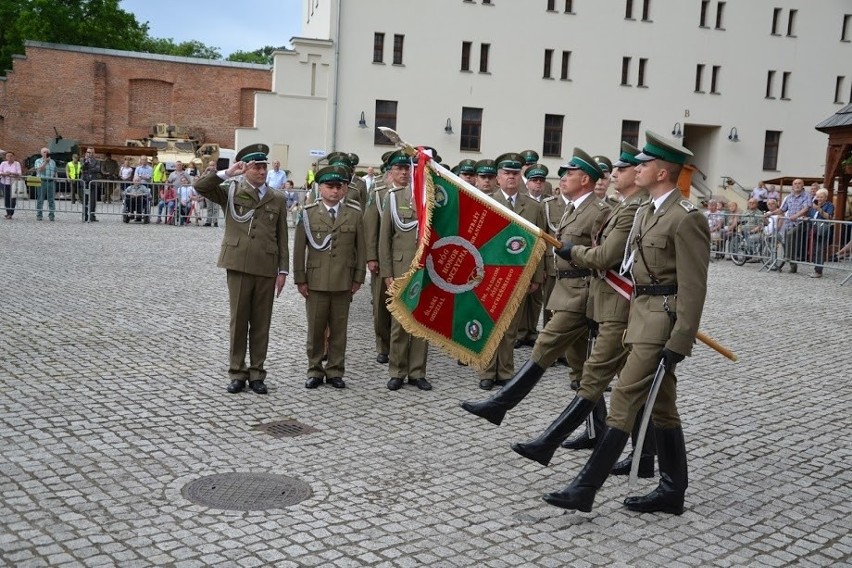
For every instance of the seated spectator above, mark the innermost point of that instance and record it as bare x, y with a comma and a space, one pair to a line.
751, 221
185, 193
715, 219
167, 202
137, 200
731, 223
822, 210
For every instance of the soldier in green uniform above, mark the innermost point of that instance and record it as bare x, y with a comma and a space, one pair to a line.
502, 366
372, 226
486, 176
467, 171
610, 293
669, 252
534, 302
568, 326
397, 247
554, 207
357, 189
328, 268
255, 254
530, 159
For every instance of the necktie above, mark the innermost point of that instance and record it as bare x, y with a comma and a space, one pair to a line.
512, 202
333, 214
569, 208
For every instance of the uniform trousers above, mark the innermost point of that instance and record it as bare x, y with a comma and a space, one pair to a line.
631, 392
547, 289
327, 310
251, 298
604, 362
530, 313
566, 332
381, 315
502, 365
407, 357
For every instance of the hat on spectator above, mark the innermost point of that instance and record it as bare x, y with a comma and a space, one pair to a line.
659, 148
467, 166
627, 156
258, 153
582, 161
604, 163
333, 174
510, 161
530, 156
486, 168
537, 171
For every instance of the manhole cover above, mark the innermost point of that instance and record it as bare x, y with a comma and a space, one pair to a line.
285, 428
247, 491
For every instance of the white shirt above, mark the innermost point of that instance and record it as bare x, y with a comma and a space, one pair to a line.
659, 201
579, 201
276, 180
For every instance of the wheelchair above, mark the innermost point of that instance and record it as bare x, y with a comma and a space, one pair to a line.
137, 208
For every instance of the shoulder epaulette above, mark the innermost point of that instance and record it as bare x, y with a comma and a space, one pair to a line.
314, 204
391, 190
548, 198
688, 205
603, 204
353, 205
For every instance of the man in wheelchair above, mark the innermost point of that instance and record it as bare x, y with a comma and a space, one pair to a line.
137, 202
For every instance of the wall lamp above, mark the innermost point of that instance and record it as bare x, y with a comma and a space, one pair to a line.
363, 122
676, 131
733, 136
449, 127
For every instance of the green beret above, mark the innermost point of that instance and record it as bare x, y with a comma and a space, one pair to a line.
627, 156
486, 168
258, 153
536, 171
604, 163
530, 156
582, 161
659, 148
333, 174
510, 161
399, 158
467, 166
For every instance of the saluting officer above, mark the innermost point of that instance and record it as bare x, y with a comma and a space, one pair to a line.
328, 268
372, 227
668, 256
255, 254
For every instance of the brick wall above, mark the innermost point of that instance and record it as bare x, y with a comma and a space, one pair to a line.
106, 97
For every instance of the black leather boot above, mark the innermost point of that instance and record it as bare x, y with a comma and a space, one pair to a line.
496, 407
580, 495
542, 448
583, 441
649, 450
669, 495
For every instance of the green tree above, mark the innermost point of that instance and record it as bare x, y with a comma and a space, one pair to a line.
192, 48
262, 55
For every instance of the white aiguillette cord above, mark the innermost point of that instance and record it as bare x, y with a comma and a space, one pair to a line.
238, 218
326, 243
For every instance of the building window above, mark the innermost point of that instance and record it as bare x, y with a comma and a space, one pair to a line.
643, 63
702, 19
646, 10
569, 6
770, 83
699, 77
397, 48
551, 5
770, 150
483, 57
791, 23
776, 19
838, 87
548, 63
552, 144
714, 79
378, 47
720, 16
625, 71
465, 58
844, 31
471, 129
628, 9
630, 131
785, 82
486, 2
566, 66
385, 116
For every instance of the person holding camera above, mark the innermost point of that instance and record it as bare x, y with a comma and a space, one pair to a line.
45, 168
821, 211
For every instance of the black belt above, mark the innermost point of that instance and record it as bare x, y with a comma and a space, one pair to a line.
579, 273
656, 290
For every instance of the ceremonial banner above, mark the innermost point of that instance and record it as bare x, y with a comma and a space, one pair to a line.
473, 266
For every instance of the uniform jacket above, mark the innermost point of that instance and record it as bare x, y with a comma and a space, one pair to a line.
397, 247
675, 242
554, 208
610, 239
532, 211
260, 245
373, 218
336, 268
572, 294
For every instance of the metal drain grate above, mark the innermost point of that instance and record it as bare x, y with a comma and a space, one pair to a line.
247, 491
285, 428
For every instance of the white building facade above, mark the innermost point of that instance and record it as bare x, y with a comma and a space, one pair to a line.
743, 81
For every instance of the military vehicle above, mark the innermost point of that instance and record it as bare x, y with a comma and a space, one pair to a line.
175, 143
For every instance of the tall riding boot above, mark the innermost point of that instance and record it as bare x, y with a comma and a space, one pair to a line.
669, 495
584, 441
542, 448
581, 493
496, 407
649, 450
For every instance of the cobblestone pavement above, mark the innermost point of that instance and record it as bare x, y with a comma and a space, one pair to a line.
113, 372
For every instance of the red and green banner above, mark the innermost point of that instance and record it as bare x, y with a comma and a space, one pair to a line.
472, 269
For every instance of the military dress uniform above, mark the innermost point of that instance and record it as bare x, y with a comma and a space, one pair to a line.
329, 256
372, 228
254, 252
554, 207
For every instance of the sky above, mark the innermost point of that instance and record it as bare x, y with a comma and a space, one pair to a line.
244, 25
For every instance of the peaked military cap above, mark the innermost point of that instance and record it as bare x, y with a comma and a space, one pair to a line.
339, 158
333, 174
258, 153
582, 161
433, 152
486, 168
530, 156
399, 158
537, 171
659, 148
627, 156
604, 163
467, 166
510, 161
353, 159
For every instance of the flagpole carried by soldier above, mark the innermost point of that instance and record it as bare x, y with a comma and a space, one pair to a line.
668, 255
